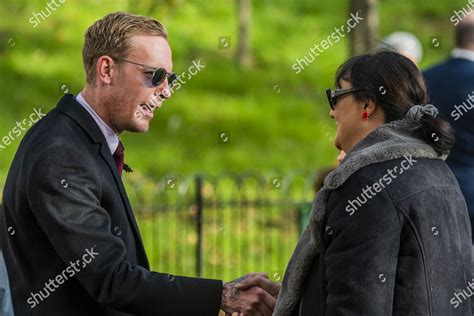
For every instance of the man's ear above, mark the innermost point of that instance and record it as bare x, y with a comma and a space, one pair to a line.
105, 68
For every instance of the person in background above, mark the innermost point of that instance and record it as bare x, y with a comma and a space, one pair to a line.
405, 44
6, 308
451, 90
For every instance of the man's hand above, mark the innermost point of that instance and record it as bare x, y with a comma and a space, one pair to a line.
252, 294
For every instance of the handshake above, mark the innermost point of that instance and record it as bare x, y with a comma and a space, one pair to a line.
252, 294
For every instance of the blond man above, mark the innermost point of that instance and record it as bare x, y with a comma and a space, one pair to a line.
77, 249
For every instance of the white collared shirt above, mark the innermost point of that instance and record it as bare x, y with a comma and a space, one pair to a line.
110, 136
463, 53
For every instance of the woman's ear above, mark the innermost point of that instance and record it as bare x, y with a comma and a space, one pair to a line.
370, 107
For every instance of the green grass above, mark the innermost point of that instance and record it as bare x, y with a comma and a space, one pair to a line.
247, 224
269, 130
229, 249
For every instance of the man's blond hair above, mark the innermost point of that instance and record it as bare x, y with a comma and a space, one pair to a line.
110, 36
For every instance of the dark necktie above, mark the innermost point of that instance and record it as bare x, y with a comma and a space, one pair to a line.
119, 157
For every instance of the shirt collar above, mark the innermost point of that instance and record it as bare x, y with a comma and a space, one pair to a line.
111, 137
463, 53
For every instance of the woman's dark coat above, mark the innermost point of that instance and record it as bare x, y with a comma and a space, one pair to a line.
403, 250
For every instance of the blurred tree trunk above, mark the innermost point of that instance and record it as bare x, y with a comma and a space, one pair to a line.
244, 55
363, 38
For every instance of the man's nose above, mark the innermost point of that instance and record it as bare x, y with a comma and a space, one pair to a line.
163, 90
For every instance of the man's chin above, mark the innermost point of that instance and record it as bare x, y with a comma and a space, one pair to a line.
139, 127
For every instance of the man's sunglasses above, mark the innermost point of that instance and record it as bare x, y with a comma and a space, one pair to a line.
333, 95
158, 75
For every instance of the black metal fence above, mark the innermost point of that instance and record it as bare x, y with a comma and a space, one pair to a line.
223, 226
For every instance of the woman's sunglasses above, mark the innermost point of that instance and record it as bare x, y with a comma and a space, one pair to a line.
158, 75
333, 95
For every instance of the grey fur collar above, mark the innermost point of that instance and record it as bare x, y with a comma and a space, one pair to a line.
389, 141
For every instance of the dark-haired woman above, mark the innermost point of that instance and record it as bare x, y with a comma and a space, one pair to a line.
389, 232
